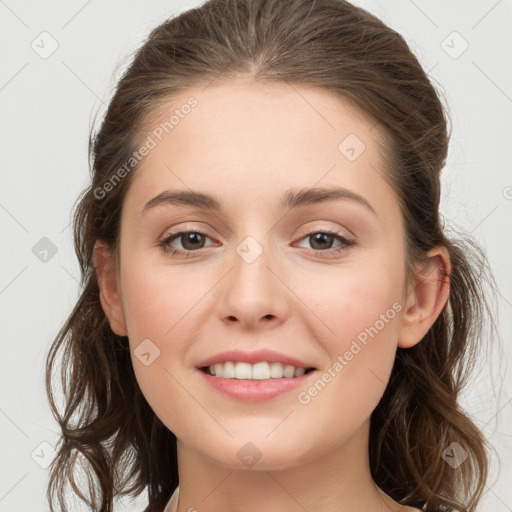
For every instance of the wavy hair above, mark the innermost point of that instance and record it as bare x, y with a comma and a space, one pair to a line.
108, 428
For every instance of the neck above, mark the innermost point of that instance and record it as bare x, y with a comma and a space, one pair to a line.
337, 480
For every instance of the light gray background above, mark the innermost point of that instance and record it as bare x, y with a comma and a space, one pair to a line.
47, 105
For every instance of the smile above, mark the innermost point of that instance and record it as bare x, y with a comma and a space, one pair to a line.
258, 371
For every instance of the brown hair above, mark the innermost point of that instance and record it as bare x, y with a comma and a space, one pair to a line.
106, 423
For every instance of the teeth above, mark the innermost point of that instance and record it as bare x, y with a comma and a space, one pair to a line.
258, 371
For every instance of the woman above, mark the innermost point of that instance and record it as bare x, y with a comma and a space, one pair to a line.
308, 352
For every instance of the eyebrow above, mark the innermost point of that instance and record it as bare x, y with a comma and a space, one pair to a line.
291, 199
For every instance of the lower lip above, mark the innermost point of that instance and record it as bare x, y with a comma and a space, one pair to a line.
255, 390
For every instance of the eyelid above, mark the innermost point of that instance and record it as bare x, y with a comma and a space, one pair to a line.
178, 233
184, 229
305, 232
321, 229
332, 230
346, 236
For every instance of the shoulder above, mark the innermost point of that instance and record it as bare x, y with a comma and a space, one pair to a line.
172, 505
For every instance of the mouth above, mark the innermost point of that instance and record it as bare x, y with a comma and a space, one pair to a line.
259, 371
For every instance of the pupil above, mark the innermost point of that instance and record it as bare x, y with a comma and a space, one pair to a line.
319, 236
193, 238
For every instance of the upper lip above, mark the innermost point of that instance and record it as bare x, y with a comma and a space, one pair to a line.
253, 358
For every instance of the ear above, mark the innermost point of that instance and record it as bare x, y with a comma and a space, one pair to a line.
427, 295
109, 290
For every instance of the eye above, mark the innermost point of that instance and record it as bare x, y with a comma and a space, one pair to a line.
321, 241
190, 241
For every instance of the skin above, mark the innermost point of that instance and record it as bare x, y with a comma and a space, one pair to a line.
247, 144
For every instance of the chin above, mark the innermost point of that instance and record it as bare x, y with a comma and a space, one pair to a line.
262, 455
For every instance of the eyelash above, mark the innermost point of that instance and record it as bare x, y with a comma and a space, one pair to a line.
165, 242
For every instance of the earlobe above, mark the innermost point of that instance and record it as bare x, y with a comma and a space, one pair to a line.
109, 287
426, 298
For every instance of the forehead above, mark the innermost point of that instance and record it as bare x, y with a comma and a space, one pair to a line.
254, 140
241, 107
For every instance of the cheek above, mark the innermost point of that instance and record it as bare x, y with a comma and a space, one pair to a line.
156, 302
353, 302
158, 308
357, 326
165, 306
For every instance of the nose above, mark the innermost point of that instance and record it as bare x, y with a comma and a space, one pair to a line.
253, 293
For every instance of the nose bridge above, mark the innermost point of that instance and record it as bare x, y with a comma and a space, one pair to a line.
252, 291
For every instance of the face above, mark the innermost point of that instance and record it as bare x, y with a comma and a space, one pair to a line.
318, 283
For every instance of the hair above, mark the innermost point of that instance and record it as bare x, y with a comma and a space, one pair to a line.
107, 426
